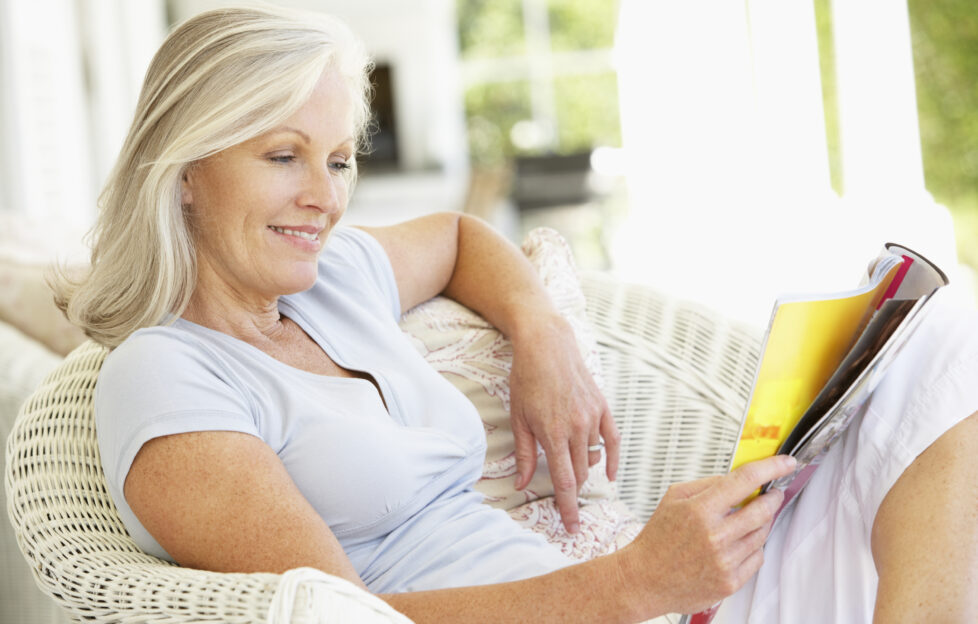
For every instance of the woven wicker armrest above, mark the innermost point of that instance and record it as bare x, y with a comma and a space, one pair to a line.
81, 555
677, 378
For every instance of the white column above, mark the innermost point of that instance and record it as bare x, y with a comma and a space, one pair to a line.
877, 97
536, 30
793, 151
881, 154
723, 125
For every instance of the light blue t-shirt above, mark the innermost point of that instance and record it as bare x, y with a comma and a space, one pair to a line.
395, 487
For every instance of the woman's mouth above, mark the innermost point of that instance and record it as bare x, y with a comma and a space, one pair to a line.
309, 236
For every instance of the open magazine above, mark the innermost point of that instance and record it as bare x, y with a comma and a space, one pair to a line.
821, 359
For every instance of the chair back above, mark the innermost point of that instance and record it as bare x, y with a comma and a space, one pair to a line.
65, 521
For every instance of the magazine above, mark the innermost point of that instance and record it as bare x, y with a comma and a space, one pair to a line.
821, 358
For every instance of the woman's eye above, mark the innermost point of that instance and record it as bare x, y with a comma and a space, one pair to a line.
341, 165
282, 159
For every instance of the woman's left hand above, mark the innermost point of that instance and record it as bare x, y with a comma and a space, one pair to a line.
555, 401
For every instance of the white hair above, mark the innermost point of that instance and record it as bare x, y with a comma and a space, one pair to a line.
220, 78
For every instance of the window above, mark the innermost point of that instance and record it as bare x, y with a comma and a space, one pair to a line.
538, 77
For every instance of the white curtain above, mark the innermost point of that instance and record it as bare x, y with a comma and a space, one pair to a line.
71, 71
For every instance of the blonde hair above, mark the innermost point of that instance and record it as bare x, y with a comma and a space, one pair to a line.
220, 78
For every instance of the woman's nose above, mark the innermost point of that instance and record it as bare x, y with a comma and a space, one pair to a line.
322, 190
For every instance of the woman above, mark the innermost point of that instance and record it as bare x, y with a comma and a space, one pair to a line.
261, 411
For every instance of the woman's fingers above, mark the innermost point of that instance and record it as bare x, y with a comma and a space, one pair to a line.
751, 543
555, 402
756, 513
565, 485
612, 442
713, 548
746, 479
525, 444
595, 448
564, 429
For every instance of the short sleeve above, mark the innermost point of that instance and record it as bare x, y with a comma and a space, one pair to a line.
160, 383
358, 261
928, 390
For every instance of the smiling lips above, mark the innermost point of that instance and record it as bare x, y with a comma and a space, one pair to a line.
309, 233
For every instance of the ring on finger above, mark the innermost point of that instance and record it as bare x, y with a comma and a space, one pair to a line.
596, 448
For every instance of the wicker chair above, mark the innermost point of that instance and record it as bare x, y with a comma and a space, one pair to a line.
677, 376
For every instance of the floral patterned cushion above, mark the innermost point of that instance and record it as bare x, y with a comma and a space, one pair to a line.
476, 358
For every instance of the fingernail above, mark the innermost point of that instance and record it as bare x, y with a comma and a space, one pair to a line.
574, 528
519, 481
789, 461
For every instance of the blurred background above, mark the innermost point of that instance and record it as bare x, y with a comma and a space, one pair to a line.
723, 151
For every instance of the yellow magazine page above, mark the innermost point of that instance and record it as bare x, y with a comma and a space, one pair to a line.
806, 342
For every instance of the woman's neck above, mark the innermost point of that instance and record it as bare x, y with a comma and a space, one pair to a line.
253, 319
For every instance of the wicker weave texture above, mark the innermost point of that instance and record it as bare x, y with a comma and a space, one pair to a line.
678, 376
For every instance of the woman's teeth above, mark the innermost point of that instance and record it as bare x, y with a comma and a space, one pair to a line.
305, 235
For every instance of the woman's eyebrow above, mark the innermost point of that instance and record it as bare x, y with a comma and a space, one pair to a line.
305, 137
282, 129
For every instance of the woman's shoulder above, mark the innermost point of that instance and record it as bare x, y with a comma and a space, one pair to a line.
155, 361
164, 380
156, 347
926, 391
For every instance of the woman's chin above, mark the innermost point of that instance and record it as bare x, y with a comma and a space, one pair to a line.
299, 281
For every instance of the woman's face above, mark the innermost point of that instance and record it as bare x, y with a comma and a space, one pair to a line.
262, 209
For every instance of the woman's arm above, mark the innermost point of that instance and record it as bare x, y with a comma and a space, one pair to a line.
554, 399
223, 501
925, 535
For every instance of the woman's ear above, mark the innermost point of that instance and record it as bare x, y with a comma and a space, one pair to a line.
186, 192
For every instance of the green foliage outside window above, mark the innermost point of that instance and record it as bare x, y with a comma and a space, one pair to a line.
587, 112
582, 24
585, 104
826, 60
490, 28
945, 46
491, 111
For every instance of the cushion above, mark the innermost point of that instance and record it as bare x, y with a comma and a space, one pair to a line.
27, 303
29, 246
476, 358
